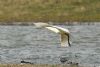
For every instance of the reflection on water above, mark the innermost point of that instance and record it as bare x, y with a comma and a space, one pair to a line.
43, 46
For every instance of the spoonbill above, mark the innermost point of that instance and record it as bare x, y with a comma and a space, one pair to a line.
64, 33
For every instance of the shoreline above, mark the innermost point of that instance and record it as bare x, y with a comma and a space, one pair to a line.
40, 65
55, 23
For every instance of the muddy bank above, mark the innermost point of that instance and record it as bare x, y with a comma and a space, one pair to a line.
38, 65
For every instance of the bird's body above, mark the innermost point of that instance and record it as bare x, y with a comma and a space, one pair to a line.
65, 34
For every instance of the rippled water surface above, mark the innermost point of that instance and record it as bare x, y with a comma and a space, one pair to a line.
43, 46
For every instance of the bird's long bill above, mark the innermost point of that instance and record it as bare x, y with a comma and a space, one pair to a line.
65, 40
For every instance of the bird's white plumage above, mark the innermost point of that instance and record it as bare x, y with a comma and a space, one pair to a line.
64, 40
39, 25
62, 31
53, 29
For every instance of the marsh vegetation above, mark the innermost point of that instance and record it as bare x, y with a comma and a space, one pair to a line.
50, 10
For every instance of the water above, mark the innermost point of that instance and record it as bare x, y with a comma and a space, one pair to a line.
42, 46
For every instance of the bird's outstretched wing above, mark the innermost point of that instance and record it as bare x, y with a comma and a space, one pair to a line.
62, 31
64, 35
41, 25
53, 29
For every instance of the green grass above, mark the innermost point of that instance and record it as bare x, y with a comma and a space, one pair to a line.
50, 10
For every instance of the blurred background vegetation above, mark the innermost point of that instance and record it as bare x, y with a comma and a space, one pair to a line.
50, 10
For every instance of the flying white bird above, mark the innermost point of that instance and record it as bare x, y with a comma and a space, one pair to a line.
65, 34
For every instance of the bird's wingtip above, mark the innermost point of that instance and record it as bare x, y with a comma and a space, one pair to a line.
41, 24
